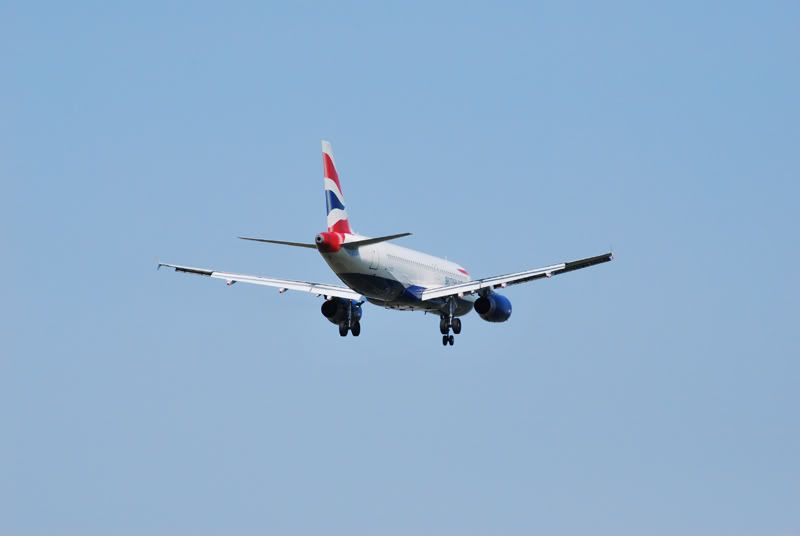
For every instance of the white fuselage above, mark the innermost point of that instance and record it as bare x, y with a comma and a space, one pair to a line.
394, 276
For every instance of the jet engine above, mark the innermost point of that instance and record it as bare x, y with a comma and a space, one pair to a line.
493, 307
336, 309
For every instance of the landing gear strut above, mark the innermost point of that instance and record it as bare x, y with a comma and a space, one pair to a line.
449, 321
345, 314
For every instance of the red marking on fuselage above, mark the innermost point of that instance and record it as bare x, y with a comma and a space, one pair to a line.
463, 271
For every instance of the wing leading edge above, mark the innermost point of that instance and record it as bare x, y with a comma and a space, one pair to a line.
320, 289
501, 281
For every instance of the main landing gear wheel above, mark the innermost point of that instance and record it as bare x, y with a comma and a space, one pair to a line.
355, 329
456, 326
343, 329
445, 324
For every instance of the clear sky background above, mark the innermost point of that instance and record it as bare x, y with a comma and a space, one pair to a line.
657, 394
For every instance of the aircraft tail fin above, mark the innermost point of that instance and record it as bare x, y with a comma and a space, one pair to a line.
338, 221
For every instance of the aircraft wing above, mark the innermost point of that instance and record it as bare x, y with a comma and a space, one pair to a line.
320, 289
502, 281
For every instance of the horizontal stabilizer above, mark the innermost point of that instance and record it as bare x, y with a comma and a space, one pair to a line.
370, 241
281, 242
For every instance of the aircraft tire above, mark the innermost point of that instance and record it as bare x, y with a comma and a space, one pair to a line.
456, 326
443, 328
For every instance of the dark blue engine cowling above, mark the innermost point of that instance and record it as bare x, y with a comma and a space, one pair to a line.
493, 307
335, 310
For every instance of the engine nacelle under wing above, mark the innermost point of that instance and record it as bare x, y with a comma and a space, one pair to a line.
493, 307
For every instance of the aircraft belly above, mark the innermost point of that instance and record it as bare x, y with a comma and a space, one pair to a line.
439, 305
373, 286
383, 287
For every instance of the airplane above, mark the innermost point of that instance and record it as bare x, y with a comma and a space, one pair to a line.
390, 276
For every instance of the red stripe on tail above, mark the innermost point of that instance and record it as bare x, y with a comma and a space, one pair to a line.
341, 226
330, 170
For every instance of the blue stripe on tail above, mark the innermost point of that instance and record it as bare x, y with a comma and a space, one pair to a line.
332, 202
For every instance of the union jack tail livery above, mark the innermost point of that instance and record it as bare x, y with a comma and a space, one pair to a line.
334, 199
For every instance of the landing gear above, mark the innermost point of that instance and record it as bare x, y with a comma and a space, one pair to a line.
449, 321
355, 329
456, 326
446, 324
444, 328
345, 314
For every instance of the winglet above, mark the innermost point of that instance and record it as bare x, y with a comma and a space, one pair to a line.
187, 269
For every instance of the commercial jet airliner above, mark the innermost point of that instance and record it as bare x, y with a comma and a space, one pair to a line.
390, 276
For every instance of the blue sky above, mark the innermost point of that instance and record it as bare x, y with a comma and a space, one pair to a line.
657, 394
